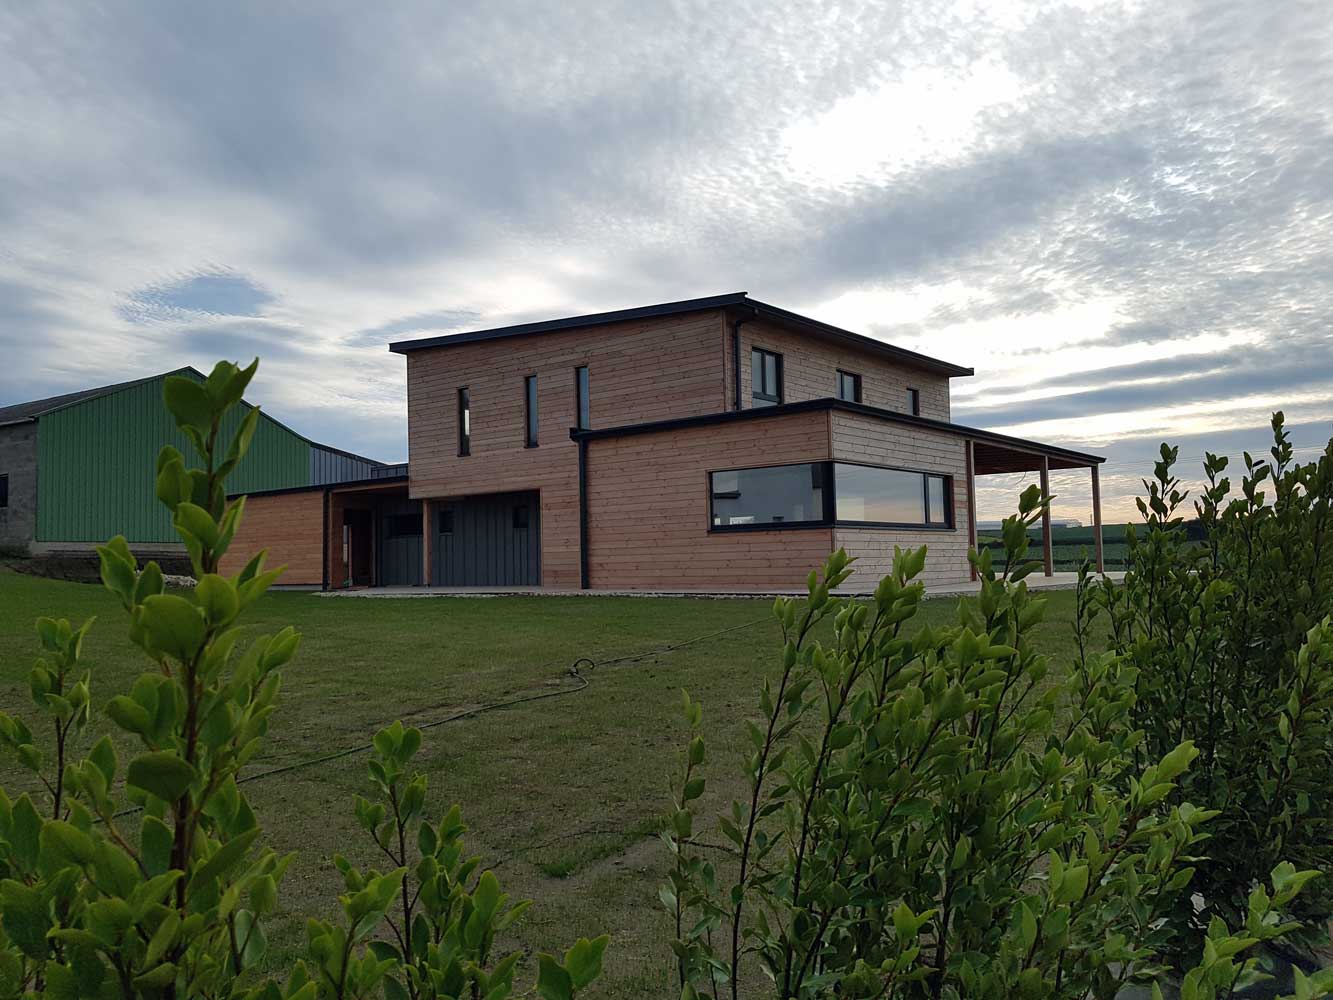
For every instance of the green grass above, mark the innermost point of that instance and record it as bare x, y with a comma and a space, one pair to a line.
563, 795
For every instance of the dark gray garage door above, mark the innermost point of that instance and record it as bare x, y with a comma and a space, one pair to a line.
400, 544
489, 541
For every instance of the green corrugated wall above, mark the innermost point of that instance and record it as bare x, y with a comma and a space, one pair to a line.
96, 462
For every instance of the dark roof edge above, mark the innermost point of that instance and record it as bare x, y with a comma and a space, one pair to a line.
110, 390
319, 487
571, 322
829, 403
788, 318
772, 313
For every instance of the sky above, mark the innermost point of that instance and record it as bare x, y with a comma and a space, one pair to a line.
1119, 213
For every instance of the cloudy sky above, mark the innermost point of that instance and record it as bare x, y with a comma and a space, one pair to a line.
1120, 214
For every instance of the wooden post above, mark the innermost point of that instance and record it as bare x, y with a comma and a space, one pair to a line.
1097, 518
1047, 557
427, 549
971, 500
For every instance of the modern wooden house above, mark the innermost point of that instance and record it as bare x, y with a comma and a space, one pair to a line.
717, 444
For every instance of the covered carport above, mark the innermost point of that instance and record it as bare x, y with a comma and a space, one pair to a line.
997, 454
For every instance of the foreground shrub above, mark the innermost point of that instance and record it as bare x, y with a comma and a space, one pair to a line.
1232, 645
932, 813
169, 899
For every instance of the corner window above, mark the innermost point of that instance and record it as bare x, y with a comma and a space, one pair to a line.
779, 494
765, 378
914, 402
530, 412
4, 489
464, 422
849, 386
824, 493
582, 404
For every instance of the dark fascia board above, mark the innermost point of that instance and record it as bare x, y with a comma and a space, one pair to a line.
795, 321
325, 487
845, 406
736, 301
571, 322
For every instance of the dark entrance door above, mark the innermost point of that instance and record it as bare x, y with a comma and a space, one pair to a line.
489, 541
361, 550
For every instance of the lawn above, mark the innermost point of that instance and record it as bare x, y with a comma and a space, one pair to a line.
562, 794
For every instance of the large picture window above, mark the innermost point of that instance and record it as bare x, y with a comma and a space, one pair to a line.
779, 494
822, 493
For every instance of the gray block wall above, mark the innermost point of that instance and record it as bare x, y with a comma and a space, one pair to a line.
18, 459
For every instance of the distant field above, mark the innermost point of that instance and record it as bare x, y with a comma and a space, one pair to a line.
1070, 546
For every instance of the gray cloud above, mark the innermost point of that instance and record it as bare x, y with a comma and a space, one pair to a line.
311, 183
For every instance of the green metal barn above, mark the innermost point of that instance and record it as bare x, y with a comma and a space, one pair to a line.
78, 469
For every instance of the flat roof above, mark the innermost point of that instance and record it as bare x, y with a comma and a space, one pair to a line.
1064, 458
738, 302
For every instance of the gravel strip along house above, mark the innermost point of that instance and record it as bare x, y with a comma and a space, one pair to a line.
717, 444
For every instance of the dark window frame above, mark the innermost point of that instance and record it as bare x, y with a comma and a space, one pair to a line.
4, 490
914, 401
767, 399
464, 422
841, 374
394, 522
582, 398
830, 498
530, 423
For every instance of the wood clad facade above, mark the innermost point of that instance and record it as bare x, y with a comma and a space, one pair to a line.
648, 508
289, 525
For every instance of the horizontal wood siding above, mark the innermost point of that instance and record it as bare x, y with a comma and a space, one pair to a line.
810, 369
638, 371
648, 508
859, 438
288, 525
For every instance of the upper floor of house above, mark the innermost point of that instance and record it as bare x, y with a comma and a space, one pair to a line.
503, 391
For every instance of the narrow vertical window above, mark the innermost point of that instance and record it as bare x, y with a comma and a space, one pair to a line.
582, 406
849, 386
464, 422
530, 411
914, 402
4, 489
765, 378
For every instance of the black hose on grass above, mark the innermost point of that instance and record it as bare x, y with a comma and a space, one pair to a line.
573, 671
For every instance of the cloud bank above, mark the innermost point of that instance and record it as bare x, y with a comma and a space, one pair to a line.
1120, 213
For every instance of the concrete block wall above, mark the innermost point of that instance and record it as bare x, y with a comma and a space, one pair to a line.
18, 460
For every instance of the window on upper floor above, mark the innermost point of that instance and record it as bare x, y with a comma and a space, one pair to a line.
530, 411
464, 422
849, 386
582, 403
914, 402
765, 377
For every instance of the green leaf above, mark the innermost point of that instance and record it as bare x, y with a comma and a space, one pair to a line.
217, 597
172, 625
553, 982
583, 962
188, 402
162, 774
